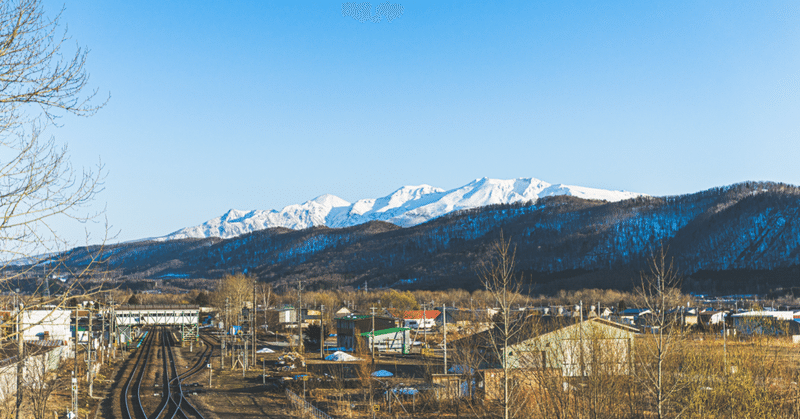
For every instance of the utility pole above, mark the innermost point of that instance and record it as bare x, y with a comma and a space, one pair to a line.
321, 332
424, 324
89, 354
253, 318
444, 322
225, 335
724, 344
300, 316
103, 344
580, 330
74, 395
75, 366
113, 337
20, 355
372, 338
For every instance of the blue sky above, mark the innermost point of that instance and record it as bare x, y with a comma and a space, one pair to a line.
258, 105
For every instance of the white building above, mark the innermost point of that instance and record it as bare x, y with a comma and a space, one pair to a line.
416, 319
48, 324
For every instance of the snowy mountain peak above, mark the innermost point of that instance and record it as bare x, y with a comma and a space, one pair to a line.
410, 193
406, 206
233, 214
329, 200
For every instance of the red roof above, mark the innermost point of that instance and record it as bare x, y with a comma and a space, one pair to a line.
415, 314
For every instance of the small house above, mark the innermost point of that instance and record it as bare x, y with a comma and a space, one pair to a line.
396, 339
549, 342
416, 319
633, 316
352, 325
287, 317
766, 322
710, 318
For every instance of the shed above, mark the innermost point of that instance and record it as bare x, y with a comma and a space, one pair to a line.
393, 339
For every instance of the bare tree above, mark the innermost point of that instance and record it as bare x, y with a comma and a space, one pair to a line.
235, 291
40, 383
500, 281
37, 182
8, 399
661, 348
32, 69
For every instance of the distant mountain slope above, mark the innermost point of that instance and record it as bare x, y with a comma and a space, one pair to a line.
722, 237
406, 207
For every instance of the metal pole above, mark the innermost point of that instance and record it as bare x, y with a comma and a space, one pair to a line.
372, 338
724, 344
225, 332
321, 332
21, 360
75, 366
74, 395
580, 330
113, 329
422, 327
90, 352
253, 318
300, 316
444, 320
103, 343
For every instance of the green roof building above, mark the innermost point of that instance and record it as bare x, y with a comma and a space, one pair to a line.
395, 339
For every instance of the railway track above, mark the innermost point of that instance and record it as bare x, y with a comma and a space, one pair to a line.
173, 401
131, 401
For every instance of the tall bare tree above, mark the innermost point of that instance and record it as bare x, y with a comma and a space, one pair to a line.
38, 184
40, 383
499, 279
235, 291
660, 350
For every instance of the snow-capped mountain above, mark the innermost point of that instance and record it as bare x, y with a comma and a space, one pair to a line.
407, 206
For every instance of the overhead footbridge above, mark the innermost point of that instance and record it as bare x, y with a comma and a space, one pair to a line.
130, 318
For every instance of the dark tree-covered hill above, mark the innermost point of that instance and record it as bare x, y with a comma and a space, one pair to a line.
719, 238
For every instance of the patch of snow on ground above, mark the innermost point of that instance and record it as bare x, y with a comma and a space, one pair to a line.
341, 357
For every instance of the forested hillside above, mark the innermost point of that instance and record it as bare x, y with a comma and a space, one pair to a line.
720, 238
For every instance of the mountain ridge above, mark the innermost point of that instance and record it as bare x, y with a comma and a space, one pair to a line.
406, 206
738, 238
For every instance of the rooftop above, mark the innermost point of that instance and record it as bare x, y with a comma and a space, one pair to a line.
386, 331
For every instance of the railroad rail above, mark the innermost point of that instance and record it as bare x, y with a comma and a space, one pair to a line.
173, 401
183, 407
164, 377
137, 372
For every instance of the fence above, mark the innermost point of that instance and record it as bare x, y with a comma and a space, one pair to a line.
305, 407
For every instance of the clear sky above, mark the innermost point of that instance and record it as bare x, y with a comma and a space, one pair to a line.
258, 104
